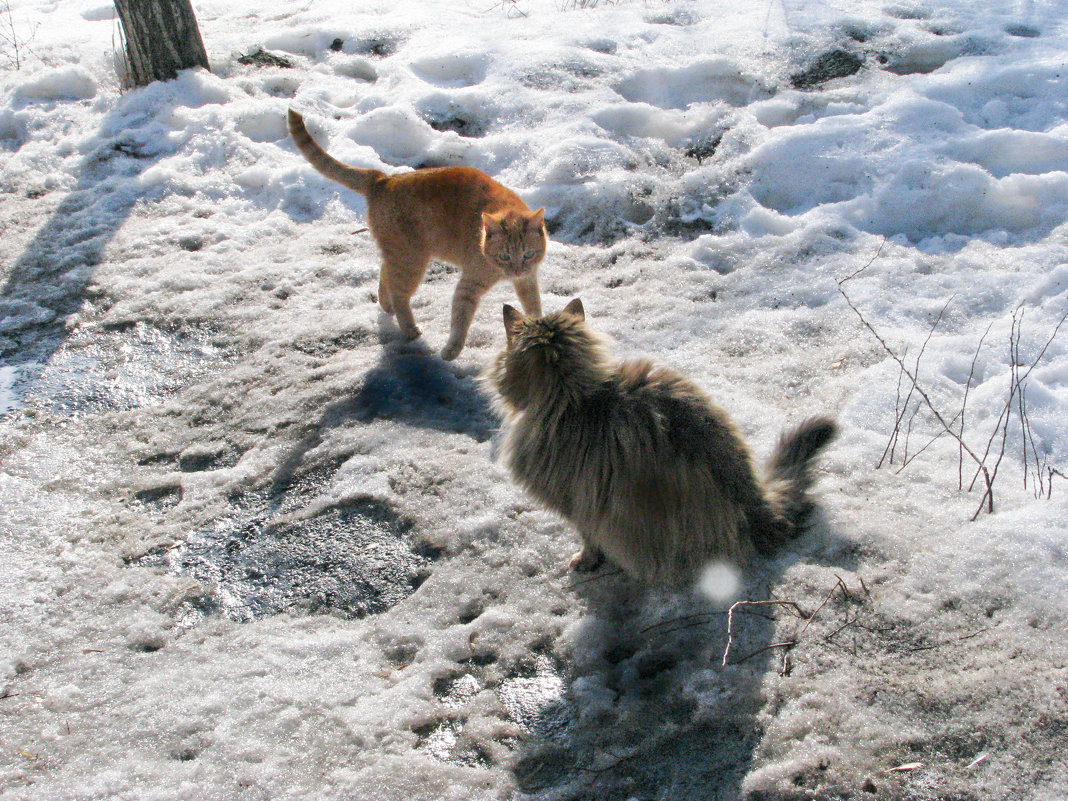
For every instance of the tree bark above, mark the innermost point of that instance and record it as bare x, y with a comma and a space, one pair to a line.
162, 38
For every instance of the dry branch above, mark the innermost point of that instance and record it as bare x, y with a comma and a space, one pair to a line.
839, 585
988, 464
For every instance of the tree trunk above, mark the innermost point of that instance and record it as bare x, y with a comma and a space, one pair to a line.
161, 38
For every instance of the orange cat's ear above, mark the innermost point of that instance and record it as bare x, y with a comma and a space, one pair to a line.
538, 217
511, 317
574, 308
487, 221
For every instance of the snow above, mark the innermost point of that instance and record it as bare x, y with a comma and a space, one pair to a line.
252, 546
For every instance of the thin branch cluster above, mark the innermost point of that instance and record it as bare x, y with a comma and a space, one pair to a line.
13, 42
981, 463
855, 615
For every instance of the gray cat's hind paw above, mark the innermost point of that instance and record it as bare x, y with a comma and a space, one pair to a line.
587, 560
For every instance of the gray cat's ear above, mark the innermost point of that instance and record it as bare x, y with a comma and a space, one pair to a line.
574, 308
511, 317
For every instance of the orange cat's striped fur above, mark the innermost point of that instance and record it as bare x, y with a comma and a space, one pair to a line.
457, 214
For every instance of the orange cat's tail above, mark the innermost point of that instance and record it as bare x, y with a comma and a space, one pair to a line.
353, 177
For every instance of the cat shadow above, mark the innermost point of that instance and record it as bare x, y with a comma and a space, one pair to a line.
661, 705
410, 385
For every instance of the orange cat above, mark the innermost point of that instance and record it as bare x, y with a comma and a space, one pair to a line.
456, 214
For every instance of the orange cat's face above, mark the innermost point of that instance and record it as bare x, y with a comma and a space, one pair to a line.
514, 241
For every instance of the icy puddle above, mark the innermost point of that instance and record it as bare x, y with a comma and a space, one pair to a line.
537, 703
96, 371
352, 561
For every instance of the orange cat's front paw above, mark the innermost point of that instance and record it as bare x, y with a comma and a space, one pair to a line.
411, 333
451, 351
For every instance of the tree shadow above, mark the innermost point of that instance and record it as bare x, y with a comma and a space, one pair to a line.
654, 713
48, 281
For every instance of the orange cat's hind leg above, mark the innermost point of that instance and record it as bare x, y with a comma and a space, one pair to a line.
403, 268
402, 308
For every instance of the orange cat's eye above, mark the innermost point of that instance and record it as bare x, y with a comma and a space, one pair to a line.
528, 255
504, 257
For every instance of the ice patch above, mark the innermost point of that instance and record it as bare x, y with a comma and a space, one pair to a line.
1005, 152
928, 200
17, 314
396, 133
715, 79
99, 13
1028, 95
308, 42
581, 159
808, 168
452, 69
103, 370
266, 125
359, 69
538, 703
761, 221
1052, 287
928, 54
643, 120
470, 114
9, 397
354, 560
62, 83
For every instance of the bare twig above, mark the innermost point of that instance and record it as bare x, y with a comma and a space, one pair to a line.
11, 39
1017, 396
929, 443
964, 405
703, 615
981, 758
1053, 472
933, 646
922, 393
871, 261
838, 583
1019, 380
758, 651
891, 443
511, 5
601, 575
841, 628
797, 611
744, 604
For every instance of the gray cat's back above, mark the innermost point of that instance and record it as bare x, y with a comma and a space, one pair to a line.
652, 474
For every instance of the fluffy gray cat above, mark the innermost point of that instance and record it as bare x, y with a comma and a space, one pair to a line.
650, 472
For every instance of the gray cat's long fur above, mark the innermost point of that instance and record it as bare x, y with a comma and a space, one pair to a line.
650, 472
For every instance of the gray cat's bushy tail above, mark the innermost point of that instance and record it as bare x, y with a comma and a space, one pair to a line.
357, 178
789, 476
